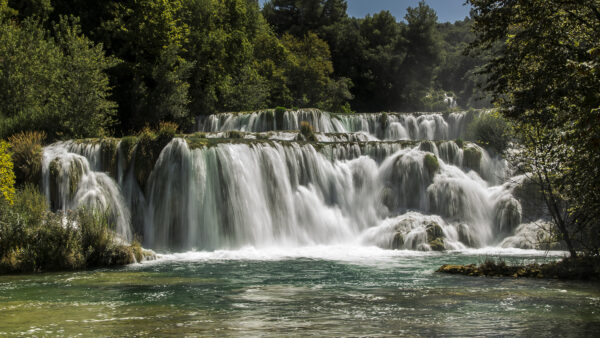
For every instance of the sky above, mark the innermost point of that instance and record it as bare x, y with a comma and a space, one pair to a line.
447, 10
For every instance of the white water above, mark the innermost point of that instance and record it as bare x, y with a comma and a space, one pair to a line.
292, 195
418, 126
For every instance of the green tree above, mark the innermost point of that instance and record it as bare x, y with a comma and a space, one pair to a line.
222, 45
151, 83
423, 47
298, 17
56, 85
546, 79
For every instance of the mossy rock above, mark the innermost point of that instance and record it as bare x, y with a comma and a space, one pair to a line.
437, 244
146, 154
428, 146
431, 164
75, 174
435, 237
434, 231
109, 155
127, 148
460, 143
472, 158
398, 241
279, 117
235, 134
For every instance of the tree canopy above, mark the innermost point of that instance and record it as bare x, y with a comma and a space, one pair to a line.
82, 68
545, 76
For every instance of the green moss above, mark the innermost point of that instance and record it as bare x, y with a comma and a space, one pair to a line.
437, 244
434, 231
109, 155
428, 146
472, 158
459, 142
435, 237
235, 134
431, 164
147, 150
75, 174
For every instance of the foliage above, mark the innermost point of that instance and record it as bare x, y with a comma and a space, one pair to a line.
27, 156
33, 239
490, 130
431, 164
306, 130
53, 83
152, 82
148, 146
458, 69
7, 175
546, 78
180, 59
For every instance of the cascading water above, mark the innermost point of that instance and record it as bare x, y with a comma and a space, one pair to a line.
388, 126
264, 187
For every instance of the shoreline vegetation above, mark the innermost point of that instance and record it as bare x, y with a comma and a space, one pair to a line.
577, 268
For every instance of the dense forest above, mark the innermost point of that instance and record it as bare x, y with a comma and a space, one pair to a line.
81, 69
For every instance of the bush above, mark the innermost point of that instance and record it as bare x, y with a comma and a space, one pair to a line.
7, 175
280, 110
27, 156
33, 239
167, 130
491, 131
306, 130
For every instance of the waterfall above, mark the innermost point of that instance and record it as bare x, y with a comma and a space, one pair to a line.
239, 184
385, 126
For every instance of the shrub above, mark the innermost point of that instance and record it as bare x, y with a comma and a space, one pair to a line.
460, 143
491, 131
7, 175
306, 130
146, 152
167, 130
27, 156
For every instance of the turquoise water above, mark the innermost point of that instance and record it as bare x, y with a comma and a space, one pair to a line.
331, 291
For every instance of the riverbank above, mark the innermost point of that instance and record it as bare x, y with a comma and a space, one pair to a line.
580, 268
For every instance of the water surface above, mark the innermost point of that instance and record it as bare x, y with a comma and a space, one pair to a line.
320, 291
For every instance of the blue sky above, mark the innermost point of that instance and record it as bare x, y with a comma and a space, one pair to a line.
447, 10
